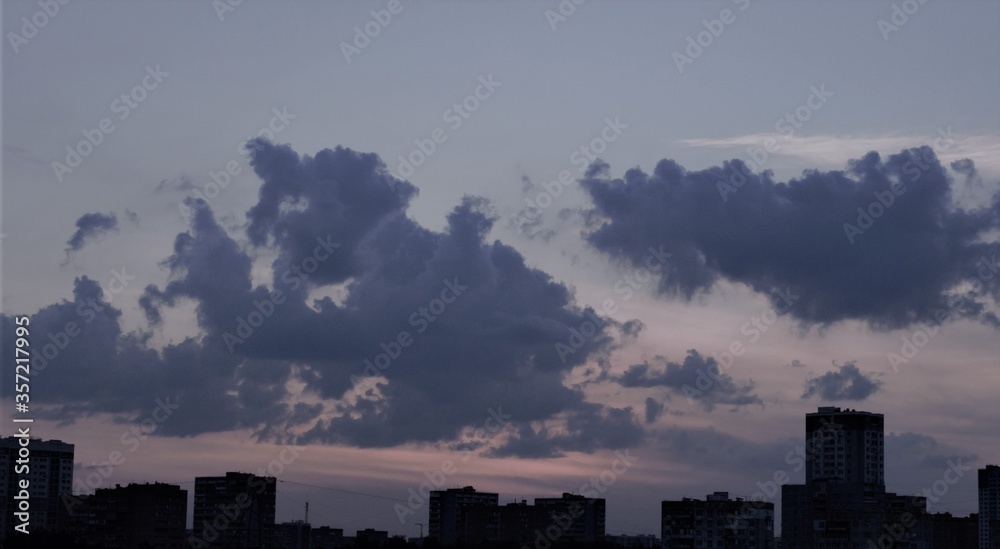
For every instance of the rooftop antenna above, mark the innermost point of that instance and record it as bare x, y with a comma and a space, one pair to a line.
307, 512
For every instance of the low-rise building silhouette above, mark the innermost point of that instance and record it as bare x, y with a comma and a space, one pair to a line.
451, 518
718, 522
587, 514
293, 535
137, 515
325, 537
948, 532
235, 511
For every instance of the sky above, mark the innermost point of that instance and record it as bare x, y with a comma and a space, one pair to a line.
370, 246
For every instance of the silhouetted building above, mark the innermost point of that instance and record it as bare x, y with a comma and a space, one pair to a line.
370, 537
152, 516
235, 511
587, 516
845, 446
843, 504
520, 522
948, 532
449, 515
717, 522
638, 541
49, 472
989, 507
325, 537
293, 535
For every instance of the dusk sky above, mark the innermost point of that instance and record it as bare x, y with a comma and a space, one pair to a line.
509, 240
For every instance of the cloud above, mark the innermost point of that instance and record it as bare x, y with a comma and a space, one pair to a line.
697, 377
654, 409
480, 326
585, 430
86, 365
915, 262
826, 151
88, 227
848, 383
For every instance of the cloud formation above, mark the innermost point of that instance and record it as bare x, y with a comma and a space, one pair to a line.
881, 241
697, 378
431, 333
847, 383
88, 227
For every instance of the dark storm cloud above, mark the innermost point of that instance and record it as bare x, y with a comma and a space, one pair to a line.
85, 365
848, 383
480, 326
697, 378
899, 270
338, 192
89, 227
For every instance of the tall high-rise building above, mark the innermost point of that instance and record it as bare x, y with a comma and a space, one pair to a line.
449, 516
845, 446
843, 504
717, 521
235, 511
989, 507
49, 472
